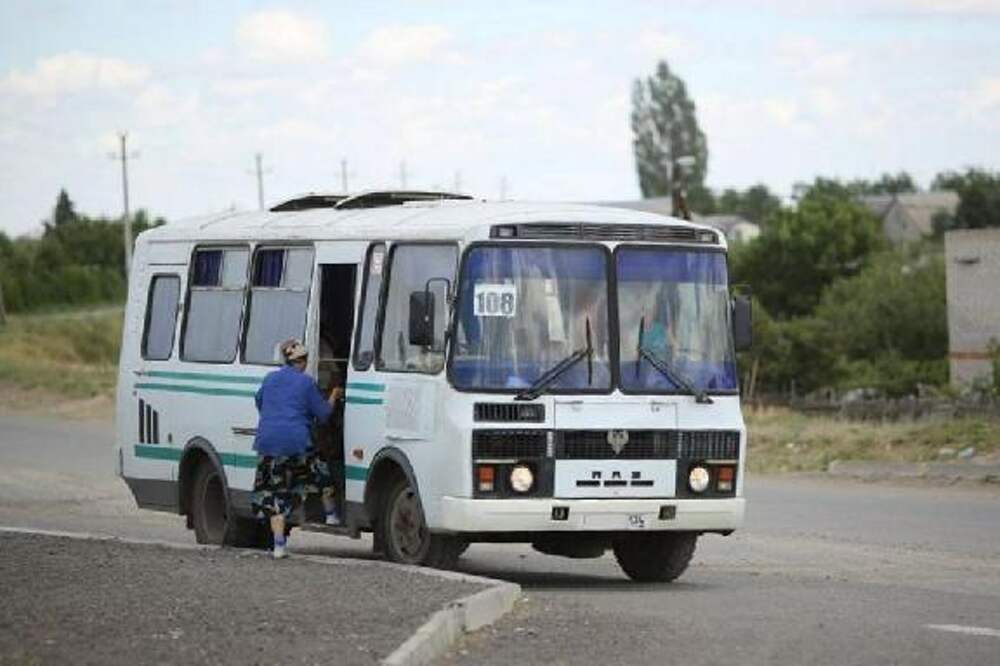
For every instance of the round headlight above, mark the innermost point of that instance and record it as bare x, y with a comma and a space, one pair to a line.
698, 479
521, 478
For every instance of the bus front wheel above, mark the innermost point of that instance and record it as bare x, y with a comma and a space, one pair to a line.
404, 534
658, 557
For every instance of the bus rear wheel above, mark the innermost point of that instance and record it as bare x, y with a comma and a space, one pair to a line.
404, 534
655, 557
212, 516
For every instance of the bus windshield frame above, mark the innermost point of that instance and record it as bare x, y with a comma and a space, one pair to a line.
493, 353
584, 272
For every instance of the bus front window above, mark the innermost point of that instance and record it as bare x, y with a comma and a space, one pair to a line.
678, 302
522, 310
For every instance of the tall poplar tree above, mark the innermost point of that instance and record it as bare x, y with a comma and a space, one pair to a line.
665, 127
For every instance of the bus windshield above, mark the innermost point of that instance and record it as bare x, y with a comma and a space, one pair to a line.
676, 303
523, 310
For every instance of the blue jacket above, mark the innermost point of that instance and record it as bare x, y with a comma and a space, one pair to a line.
288, 401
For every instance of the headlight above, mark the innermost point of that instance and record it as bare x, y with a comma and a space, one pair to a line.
521, 478
698, 479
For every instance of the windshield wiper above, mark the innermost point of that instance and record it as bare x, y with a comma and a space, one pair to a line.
668, 370
552, 374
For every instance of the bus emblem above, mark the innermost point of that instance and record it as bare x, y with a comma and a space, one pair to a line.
617, 439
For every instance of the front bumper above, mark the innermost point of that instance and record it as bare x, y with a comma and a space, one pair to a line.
460, 514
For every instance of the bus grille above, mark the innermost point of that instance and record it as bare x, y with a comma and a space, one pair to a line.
509, 412
508, 444
708, 444
649, 445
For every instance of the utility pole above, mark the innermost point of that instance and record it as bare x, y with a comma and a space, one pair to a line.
260, 182
123, 156
343, 176
402, 175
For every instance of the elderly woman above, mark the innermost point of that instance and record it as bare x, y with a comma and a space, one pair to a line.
288, 469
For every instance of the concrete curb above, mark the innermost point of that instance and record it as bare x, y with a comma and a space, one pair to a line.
437, 635
430, 641
946, 471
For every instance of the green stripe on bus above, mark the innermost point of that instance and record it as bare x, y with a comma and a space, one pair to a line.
158, 452
360, 400
239, 460
155, 452
203, 377
355, 473
366, 386
202, 390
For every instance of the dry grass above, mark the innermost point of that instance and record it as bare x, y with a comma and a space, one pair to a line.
785, 441
72, 354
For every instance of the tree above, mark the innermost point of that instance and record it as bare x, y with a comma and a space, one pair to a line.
63, 213
978, 199
665, 128
801, 251
889, 324
888, 183
756, 204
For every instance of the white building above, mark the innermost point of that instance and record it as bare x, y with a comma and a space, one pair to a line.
973, 274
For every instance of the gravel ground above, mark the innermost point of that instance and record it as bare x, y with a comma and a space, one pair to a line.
99, 602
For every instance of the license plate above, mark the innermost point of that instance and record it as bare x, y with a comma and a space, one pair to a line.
636, 521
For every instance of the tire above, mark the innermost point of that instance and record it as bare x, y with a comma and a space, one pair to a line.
212, 517
655, 558
403, 532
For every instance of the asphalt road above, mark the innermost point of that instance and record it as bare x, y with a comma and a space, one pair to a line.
826, 572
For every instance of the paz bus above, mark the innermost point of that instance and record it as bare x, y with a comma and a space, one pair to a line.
555, 374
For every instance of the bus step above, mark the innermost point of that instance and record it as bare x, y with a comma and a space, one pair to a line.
338, 530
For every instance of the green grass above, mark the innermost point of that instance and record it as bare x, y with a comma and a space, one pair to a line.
785, 441
69, 353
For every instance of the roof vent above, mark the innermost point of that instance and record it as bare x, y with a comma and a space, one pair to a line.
309, 201
380, 198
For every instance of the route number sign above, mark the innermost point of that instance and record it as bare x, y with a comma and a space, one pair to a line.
495, 300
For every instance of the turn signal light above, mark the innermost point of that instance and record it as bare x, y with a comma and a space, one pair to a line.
485, 476
724, 478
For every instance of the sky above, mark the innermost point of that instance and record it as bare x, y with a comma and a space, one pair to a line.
528, 99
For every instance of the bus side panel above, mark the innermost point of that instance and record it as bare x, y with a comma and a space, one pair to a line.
147, 465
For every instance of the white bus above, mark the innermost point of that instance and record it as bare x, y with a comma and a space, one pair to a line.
555, 374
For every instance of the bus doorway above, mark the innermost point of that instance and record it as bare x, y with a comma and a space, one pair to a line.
336, 327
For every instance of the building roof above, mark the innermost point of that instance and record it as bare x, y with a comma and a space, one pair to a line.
910, 215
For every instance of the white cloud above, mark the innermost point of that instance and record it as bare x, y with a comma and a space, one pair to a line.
983, 100
75, 72
953, 7
809, 58
396, 45
279, 36
654, 43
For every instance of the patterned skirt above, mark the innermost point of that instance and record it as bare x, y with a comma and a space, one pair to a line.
282, 483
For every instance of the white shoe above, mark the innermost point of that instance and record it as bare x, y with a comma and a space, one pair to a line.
279, 552
332, 518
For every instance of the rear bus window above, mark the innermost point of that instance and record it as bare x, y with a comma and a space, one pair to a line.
215, 305
279, 300
161, 317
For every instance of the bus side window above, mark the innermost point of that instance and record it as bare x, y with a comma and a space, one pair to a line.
364, 348
215, 305
161, 317
411, 267
279, 301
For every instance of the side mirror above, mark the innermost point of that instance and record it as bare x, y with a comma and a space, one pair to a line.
421, 325
742, 323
